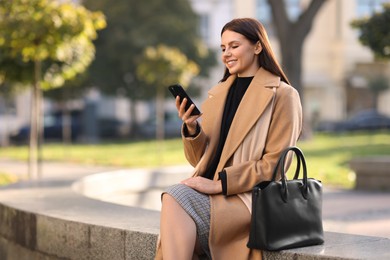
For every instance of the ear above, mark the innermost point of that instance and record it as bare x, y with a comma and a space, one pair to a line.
258, 48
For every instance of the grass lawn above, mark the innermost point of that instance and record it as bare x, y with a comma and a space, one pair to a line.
6, 179
327, 156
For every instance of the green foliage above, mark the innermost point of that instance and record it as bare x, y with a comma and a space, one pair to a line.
375, 32
378, 84
58, 34
134, 25
6, 179
164, 66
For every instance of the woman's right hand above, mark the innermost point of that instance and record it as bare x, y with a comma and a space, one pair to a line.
189, 120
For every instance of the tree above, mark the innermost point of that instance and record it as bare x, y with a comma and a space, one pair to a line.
162, 66
377, 85
375, 32
134, 25
292, 35
43, 43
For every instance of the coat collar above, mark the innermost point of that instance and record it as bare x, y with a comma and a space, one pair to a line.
256, 99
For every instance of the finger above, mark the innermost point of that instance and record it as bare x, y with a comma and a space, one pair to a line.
183, 104
182, 108
189, 110
177, 103
185, 180
192, 119
191, 182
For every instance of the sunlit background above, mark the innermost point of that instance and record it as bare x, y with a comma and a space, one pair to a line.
336, 74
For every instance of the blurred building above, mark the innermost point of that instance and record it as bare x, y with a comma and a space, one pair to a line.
335, 64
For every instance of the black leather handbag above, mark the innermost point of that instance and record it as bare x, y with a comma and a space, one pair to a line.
287, 213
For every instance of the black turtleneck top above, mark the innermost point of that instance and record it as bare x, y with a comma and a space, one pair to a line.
236, 92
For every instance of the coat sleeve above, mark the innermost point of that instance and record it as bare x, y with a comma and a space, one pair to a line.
194, 147
284, 131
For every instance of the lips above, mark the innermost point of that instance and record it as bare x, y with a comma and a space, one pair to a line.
230, 63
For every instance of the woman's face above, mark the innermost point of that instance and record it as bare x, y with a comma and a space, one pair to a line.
239, 55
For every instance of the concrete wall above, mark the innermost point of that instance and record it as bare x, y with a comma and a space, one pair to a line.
49, 220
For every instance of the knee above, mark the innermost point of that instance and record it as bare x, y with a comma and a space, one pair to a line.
170, 205
166, 198
168, 201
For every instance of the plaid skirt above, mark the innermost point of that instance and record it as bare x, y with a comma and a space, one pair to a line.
197, 206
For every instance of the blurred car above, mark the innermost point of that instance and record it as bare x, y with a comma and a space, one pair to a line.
53, 128
326, 126
364, 120
112, 128
172, 126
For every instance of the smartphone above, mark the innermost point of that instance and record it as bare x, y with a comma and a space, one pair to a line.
178, 90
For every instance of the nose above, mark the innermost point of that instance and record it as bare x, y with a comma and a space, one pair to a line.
226, 53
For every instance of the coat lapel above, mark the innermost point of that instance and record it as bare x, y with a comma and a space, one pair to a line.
256, 99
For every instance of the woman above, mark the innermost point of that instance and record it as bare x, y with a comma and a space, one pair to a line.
250, 117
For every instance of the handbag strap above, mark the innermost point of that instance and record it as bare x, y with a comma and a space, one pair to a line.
281, 165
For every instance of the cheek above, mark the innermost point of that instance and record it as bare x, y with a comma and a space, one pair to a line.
249, 56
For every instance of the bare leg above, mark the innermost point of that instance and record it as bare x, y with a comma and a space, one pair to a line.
177, 230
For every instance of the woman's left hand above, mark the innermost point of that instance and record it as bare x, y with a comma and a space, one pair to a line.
203, 185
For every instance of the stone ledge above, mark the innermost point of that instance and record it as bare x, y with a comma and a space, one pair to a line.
338, 246
372, 173
49, 220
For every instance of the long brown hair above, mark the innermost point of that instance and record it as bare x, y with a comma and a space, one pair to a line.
255, 32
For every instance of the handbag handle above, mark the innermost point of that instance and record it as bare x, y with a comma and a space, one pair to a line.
281, 165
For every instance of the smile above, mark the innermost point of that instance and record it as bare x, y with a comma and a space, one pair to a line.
230, 62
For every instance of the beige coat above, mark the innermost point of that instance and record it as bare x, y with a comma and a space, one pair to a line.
268, 120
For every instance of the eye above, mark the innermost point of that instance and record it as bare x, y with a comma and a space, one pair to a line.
223, 49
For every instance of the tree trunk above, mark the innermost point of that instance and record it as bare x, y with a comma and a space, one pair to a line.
32, 155
133, 119
292, 36
375, 100
66, 119
66, 126
160, 123
292, 62
160, 114
35, 142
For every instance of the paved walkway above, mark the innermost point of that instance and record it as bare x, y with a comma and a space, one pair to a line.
346, 211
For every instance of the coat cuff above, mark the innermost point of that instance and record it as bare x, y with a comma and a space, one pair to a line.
223, 177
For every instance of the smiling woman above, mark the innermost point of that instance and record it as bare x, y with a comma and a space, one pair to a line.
232, 148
